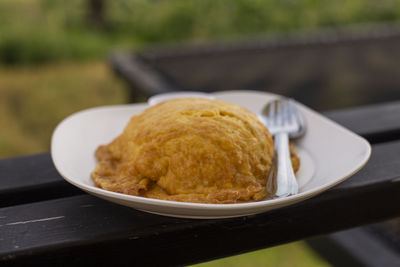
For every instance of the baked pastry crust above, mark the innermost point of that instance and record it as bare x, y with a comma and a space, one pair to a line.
192, 150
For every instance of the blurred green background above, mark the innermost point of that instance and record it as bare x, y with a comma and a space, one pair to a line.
53, 61
37, 31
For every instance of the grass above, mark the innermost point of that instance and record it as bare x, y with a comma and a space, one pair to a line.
33, 100
295, 254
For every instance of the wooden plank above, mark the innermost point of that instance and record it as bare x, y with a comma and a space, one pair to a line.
14, 171
31, 178
140, 76
62, 231
381, 168
87, 230
369, 121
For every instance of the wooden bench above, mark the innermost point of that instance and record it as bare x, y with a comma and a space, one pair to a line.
44, 220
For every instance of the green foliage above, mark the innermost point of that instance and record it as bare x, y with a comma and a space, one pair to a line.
296, 254
33, 31
160, 21
39, 47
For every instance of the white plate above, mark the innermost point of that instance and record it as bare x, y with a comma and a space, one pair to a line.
168, 96
329, 154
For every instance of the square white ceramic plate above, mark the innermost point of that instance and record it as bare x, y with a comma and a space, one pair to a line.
329, 154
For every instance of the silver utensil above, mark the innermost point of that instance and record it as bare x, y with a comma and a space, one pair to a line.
283, 120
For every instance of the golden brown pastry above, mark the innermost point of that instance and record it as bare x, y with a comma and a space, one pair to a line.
190, 149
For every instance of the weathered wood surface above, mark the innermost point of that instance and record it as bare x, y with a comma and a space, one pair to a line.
369, 121
30, 179
75, 228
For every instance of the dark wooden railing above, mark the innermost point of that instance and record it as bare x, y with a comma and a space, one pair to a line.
44, 220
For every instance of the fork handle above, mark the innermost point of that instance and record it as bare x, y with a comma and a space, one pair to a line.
285, 179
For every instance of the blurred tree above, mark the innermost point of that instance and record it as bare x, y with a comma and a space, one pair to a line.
96, 13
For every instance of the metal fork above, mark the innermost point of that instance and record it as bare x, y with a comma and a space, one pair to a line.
283, 121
